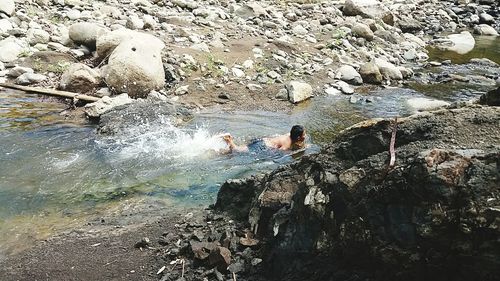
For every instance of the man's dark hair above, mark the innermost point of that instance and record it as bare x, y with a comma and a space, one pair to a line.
296, 132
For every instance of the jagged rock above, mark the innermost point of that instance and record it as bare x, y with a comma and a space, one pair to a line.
348, 74
8, 7
202, 250
492, 98
220, 257
298, 91
250, 10
135, 67
370, 73
368, 9
79, 78
86, 33
143, 243
105, 104
344, 210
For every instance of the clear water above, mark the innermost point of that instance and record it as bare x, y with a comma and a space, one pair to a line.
56, 174
485, 47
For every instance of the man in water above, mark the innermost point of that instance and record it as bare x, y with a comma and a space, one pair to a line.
293, 141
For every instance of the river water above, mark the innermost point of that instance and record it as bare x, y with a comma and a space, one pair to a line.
56, 174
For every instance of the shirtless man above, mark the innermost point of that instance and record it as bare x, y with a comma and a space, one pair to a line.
292, 141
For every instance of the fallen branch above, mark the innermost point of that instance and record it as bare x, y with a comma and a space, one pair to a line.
51, 92
393, 142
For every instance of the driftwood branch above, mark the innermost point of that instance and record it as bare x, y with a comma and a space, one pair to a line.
392, 151
50, 92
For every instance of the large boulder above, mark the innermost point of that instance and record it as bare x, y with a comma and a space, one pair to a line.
11, 48
107, 42
79, 78
491, 98
105, 104
368, 9
7, 7
37, 36
345, 212
86, 33
135, 67
363, 30
298, 91
484, 29
460, 43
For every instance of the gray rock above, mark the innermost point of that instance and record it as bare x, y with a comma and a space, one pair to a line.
107, 42
30, 78
11, 48
348, 74
7, 7
250, 10
332, 91
18, 71
368, 9
105, 104
484, 29
37, 36
344, 87
491, 98
371, 73
409, 25
86, 33
486, 18
182, 90
135, 67
363, 30
298, 91
79, 78
388, 70
73, 14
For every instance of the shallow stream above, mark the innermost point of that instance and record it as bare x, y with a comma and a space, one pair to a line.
55, 174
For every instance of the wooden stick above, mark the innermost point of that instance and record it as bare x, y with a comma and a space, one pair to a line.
51, 92
392, 151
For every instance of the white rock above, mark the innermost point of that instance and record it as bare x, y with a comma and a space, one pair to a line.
7, 6
202, 47
248, 64
11, 48
484, 29
18, 71
136, 67
368, 9
182, 90
344, 87
299, 30
105, 104
462, 43
348, 74
73, 14
5, 25
37, 36
388, 70
2, 67
134, 22
237, 72
86, 33
425, 104
332, 91
298, 91
30, 78
79, 78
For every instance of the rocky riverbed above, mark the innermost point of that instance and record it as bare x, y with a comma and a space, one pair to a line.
342, 214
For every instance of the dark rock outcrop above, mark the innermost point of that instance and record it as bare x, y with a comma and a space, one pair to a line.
343, 214
491, 98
